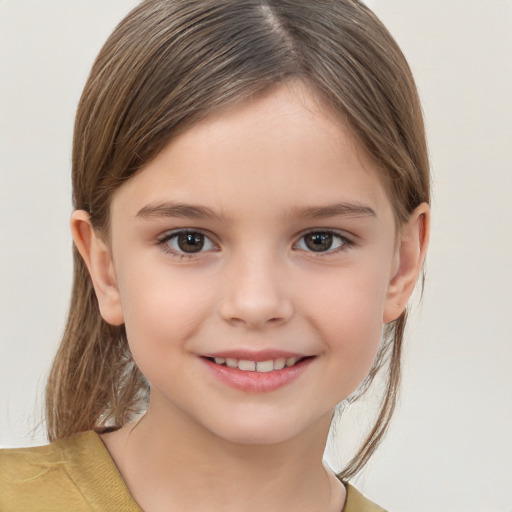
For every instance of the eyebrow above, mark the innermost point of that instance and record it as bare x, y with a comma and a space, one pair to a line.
336, 210
171, 209
189, 211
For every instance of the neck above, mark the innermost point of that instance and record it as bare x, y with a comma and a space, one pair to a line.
171, 463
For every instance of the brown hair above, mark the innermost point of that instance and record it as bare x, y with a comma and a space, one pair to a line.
171, 63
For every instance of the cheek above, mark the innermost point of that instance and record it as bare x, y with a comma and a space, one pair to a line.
349, 318
162, 310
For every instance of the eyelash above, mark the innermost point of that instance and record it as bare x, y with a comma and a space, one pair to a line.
164, 243
343, 241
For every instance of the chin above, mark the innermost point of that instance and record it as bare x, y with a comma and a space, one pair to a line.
258, 430
259, 438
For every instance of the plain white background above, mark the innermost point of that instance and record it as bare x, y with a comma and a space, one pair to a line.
450, 445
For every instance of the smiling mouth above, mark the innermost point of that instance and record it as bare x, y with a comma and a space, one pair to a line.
268, 366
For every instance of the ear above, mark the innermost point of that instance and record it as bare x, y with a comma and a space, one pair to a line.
98, 258
411, 250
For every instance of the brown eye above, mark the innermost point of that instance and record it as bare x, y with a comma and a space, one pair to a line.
322, 241
187, 242
318, 242
190, 242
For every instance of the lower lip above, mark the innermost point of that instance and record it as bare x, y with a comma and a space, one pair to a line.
257, 382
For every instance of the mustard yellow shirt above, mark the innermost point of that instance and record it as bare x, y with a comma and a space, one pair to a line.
78, 475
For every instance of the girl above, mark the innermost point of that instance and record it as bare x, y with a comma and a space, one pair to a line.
251, 189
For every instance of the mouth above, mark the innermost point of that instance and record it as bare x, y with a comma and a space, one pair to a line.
257, 371
268, 366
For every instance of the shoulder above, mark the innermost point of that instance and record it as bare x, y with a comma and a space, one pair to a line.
37, 478
72, 474
356, 502
58, 452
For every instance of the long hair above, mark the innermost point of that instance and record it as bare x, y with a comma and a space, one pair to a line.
171, 63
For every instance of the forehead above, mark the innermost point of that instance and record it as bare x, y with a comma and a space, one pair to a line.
285, 149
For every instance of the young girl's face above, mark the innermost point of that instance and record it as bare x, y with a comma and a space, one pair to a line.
259, 238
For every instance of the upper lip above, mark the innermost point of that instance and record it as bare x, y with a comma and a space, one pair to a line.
257, 356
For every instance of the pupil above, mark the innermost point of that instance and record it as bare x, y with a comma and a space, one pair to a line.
319, 242
190, 242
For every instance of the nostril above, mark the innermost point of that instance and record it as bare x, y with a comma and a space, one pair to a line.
255, 307
236, 321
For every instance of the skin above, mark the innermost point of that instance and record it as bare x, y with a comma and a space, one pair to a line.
268, 172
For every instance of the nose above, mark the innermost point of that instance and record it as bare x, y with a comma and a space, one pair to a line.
256, 294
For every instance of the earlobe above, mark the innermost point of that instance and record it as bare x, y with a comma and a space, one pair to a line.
413, 243
98, 259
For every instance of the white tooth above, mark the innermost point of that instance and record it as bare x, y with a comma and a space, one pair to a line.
291, 361
232, 363
220, 360
248, 366
265, 366
279, 363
